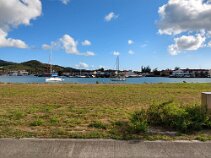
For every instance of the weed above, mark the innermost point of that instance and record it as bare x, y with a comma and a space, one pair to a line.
98, 125
37, 122
139, 121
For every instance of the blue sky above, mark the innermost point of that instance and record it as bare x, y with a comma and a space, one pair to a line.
135, 20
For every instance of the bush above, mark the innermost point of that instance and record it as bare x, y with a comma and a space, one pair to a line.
170, 115
139, 121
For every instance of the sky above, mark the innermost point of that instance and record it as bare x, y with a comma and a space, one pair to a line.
91, 33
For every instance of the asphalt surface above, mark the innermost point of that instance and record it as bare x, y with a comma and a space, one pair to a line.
79, 148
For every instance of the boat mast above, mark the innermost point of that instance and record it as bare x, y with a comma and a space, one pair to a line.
117, 65
50, 58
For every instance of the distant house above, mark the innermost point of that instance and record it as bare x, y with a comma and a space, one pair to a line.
23, 73
166, 72
180, 73
13, 73
130, 73
1, 70
18, 73
200, 73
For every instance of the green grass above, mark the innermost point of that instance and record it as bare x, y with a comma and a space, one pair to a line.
87, 111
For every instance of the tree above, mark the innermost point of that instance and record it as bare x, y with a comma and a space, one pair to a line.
156, 72
176, 68
146, 69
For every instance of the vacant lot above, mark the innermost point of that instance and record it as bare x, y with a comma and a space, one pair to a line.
83, 111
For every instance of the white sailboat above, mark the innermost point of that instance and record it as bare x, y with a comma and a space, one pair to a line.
54, 76
118, 77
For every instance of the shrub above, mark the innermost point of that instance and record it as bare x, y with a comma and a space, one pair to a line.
184, 119
171, 115
139, 121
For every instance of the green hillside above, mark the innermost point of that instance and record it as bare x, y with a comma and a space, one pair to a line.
33, 67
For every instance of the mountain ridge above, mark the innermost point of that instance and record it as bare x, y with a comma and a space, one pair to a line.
33, 67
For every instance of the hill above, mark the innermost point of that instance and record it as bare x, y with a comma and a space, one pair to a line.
33, 67
6, 63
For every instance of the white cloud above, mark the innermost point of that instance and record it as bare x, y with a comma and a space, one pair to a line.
131, 52
209, 44
82, 65
46, 46
111, 16
116, 53
184, 17
9, 42
14, 13
86, 43
88, 53
130, 42
65, 1
186, 43
69, 44
179, 16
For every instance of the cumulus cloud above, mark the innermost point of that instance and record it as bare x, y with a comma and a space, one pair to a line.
9, 42
131, 52
186, 43
209, 44
111, 16
65, 1
130, 42
14, 13
82, 65
116, 53
179, 16
182, 17
86, 43
69, 44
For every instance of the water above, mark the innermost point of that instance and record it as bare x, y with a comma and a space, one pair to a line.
34, 79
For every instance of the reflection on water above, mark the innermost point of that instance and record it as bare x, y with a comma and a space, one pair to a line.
33, 79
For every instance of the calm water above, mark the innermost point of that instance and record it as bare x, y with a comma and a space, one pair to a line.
33, 79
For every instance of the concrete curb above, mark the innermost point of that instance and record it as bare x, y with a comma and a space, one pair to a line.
99, 148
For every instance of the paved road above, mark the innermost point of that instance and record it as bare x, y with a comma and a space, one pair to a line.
72, 148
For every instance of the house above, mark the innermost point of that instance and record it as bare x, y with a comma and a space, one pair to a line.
18, 73
194, 73
131, 74
23, 73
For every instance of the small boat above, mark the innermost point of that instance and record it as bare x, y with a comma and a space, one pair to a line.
118, 76
54, 76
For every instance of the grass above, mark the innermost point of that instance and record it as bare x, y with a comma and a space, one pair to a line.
88, 111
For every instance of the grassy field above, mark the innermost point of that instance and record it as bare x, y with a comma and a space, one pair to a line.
86, 111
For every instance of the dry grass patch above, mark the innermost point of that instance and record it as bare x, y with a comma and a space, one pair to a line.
67, 110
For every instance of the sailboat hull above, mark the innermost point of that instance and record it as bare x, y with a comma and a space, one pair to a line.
54, 79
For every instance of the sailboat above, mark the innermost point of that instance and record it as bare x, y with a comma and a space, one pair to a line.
118, 77
54, 76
